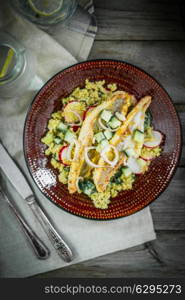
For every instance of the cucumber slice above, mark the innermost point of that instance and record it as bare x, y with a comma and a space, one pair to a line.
55, 156
118, 180
148, 119
134, 165
120, 116
108, 134
62, 127
57, 140
114, 123
69, 137
60, 134
117, 177
104, 143
125, 153
106, 115
130, 152
87, 187
126, 171
99, 137
138, 136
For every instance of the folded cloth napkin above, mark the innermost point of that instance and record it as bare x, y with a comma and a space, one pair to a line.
80, 31
88, 239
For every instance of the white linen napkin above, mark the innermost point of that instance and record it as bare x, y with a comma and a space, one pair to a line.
87, 238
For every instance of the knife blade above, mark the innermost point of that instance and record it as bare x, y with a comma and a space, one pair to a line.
20, 183
14, 174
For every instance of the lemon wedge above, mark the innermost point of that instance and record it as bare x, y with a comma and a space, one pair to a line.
46, 7
7, 62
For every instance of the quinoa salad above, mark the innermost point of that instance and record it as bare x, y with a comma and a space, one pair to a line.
101, 140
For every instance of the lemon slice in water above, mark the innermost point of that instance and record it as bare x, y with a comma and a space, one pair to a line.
6, 60
46, 7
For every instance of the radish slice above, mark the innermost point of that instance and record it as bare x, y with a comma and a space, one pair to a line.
63, 156
69, 102
147, 157
105, 158
143, 164
134, 165
78, 116
157, 139
69, 150
75, 128
105, 127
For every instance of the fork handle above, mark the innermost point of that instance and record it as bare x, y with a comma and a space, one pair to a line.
57, 241
41, 251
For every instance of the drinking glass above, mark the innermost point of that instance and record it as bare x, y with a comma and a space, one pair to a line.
44, 12
17, 67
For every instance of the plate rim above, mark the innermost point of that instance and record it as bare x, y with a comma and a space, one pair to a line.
179, 150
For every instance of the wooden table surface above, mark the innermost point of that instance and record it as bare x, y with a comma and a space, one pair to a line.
149, 34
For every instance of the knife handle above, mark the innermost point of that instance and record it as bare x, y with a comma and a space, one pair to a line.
58, 243
38, 246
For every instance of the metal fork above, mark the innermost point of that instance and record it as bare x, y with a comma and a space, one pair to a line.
41, 251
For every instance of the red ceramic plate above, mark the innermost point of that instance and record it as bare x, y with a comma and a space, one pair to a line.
131, 79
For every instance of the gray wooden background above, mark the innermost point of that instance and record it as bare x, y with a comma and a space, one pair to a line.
151, 35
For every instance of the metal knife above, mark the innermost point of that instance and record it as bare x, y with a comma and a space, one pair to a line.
21, 185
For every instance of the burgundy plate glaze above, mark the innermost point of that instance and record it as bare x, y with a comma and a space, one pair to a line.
131, 79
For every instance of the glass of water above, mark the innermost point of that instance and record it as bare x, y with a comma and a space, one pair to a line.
44, 12
17, 67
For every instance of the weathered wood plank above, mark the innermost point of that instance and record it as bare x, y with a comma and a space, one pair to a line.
163, 60
168, 210
140, 20
163, 257
180, 107
141, 5
139, 25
